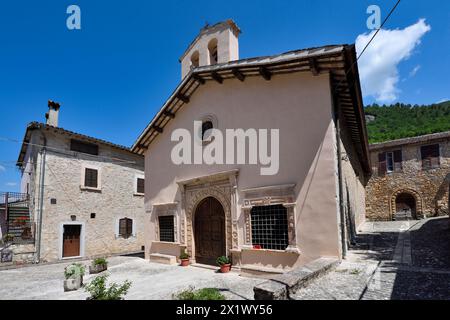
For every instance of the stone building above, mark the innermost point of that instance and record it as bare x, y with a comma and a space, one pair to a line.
266, 222
86, 196
411, 178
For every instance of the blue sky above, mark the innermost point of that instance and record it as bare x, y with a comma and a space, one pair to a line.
113, 75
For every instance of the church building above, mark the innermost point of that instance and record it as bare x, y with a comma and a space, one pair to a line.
279, 160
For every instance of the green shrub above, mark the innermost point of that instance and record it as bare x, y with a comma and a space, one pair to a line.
98, 289
184, 255
100, 262
202, 294
221, 261
74, 271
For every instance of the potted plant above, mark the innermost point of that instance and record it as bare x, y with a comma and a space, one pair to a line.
224, 263
184, 258
98, 289
7, 238
98, 265
74, 277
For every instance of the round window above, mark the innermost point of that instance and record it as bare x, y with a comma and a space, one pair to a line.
206, 125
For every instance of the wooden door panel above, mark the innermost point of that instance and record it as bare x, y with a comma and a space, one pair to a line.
209, 231
71, 241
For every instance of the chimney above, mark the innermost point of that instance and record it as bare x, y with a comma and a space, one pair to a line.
52, 114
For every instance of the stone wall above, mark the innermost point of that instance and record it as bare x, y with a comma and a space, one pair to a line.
354, 182
116, 199
430, 188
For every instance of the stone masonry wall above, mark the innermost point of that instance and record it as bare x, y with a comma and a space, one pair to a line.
116, 199
429, 187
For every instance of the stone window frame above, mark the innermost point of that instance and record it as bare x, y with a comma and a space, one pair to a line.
267, 196
166, 209
117, 227
85, 166
135, 191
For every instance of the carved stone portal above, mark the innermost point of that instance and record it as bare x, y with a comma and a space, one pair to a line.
221, 186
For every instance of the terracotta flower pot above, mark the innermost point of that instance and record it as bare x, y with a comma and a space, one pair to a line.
184, 262
225, 268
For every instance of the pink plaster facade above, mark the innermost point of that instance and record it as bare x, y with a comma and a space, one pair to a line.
300, 106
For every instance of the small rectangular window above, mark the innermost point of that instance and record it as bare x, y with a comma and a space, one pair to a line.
430, 156
140, 185
125, 228
270, 227
166, 229
84, 147
91, 178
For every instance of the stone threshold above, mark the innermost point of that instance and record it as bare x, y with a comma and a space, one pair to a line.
281, 287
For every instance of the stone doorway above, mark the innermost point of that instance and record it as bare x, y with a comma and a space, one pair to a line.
405, 207
209, 231
72, 241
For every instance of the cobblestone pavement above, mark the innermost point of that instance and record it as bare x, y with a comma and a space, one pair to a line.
150, 281
392, 261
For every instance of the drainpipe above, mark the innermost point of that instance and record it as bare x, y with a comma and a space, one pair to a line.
41, 198
340, 180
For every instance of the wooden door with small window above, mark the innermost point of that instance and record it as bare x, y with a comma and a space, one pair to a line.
209, 231
71, 241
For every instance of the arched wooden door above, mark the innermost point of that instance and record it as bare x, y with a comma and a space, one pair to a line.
209, 230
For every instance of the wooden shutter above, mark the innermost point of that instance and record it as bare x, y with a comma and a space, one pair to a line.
398, 160
122, 227
129, 228
125, 228
382, 164
430, 156
140, 185
91, 178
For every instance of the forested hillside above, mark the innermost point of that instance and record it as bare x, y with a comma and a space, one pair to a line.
405, 120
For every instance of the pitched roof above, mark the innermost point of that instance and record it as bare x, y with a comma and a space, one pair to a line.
412, 140
37, 125
338, 60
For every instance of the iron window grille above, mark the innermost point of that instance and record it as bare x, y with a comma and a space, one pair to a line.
270, 227
166, 229
91, 178
125, 228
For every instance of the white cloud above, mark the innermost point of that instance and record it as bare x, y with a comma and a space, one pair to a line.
443, 100
378, 65
2, 168
414, 71
11, 184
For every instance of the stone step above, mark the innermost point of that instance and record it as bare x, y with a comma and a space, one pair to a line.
163, 258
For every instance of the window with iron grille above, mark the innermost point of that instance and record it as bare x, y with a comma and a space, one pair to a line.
430, 156
125, 228
84, 147
91, 178
140, 185
270, 227
166, 229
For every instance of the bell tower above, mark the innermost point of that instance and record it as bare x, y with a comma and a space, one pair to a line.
214, 45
